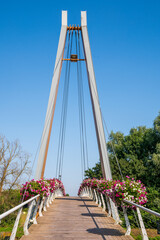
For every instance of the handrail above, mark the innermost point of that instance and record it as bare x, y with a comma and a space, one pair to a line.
143, 208
33, 207
93, 194
17, 207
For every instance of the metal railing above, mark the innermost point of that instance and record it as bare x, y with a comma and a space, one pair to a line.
106, 202
35, 205
17, 207
143, 208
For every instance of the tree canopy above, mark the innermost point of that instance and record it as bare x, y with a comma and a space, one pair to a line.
138, 154
14, 164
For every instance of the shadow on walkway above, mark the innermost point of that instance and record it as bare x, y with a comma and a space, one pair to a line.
88, 205
93, 214
73, 199
105, 231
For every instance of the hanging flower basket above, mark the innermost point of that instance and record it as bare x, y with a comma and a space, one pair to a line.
34, 187
43, 187
118, 191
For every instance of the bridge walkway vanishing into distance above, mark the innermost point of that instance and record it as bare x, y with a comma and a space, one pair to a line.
75, 218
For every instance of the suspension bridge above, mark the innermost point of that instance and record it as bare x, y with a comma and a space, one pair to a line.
93, 214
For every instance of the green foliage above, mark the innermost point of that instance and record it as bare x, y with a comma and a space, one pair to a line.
8, 200
154, 238
7, 232
139, 237
138, 154
94, 172
157, 126
154, 204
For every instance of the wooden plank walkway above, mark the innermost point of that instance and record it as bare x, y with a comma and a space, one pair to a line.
75, 218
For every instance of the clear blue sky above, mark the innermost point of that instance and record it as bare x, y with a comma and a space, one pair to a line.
125, 43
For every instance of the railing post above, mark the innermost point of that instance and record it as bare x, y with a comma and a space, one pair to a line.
91, 193
128, 232
35, 211
44, 205
103, 203
143, 230
55, 194
40, 208
93, 198
25, 227
87, 191
53, 197
14, 230
96, 196
114, 210
47, 202
108, 206
50, 198
99, 200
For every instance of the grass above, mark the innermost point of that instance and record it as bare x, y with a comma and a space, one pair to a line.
152, 234
6, 230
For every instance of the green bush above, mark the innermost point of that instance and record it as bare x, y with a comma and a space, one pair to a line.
8, 200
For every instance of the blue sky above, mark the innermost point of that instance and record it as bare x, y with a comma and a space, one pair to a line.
125, 43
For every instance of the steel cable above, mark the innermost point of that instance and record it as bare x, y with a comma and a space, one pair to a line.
64, 114
82, 122
83, 108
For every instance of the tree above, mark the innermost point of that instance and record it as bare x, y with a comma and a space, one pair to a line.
157, 125
138, 154
94, 172
14, 163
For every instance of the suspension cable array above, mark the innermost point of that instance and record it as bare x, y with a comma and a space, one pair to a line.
73, 32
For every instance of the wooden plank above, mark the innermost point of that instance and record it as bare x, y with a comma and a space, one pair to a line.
75, 218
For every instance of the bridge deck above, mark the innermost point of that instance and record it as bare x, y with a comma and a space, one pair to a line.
75, 218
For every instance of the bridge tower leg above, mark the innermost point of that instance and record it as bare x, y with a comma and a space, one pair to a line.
52, 100
105, 164
106, 170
